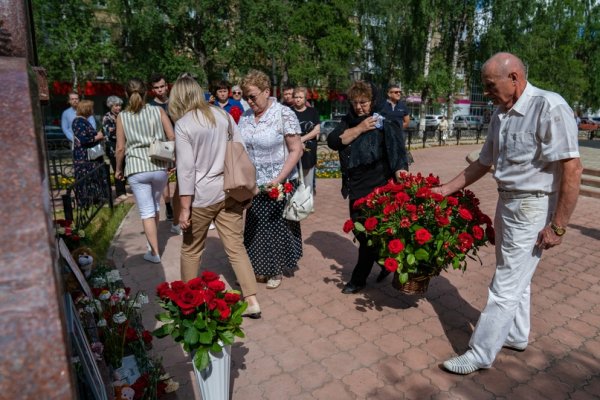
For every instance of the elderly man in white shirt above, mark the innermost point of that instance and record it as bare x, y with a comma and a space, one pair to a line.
532, 144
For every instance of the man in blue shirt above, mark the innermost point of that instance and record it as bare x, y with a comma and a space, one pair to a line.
395, 108
66, 121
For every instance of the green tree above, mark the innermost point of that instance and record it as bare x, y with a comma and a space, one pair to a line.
71, 43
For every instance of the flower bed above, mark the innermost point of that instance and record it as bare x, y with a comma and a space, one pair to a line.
418, 232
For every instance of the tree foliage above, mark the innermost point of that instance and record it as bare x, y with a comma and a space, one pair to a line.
316, 43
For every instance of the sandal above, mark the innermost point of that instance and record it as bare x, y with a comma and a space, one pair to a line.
274, 282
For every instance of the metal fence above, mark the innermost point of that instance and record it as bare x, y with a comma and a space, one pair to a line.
78, 199
435, 138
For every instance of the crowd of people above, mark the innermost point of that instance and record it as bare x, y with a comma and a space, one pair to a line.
531, 145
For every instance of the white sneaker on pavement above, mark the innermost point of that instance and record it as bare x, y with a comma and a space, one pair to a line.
460, 365
176, 229
212, 226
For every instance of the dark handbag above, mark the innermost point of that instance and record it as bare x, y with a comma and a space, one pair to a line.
309, 157
239, 173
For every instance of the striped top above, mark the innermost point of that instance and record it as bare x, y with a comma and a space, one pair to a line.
140, 130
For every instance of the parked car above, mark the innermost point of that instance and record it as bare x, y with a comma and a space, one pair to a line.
432, 122
326, 127
468, 122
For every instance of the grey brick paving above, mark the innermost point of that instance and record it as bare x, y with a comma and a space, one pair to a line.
315, 343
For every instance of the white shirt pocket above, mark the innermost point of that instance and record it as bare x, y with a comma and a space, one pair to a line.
520, 146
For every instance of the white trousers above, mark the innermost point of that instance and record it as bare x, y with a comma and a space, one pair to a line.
506, 317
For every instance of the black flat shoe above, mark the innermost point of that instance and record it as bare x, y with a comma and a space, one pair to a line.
382, 275
252, 312
351, 288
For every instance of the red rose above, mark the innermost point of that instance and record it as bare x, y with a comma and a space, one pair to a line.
178, 286
453, 201
465, 214
147, 337
405, 222
130, 335
196, 283
477, 232
423, 192
389, 231
465, 241
288, 187
231, 298
437, 197
162, 290
224, 313
402, 197
208, 276
348, 226
432, 180
389, 209
442, 220
273, 193
395, 246
371, 223
75, 237
236, 113
390, 264
422, 236
217, 285
411, 208
189, 299
359, 202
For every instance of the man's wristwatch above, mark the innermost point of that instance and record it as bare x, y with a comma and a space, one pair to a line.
558, 230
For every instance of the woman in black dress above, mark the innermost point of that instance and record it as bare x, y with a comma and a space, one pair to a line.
371, 151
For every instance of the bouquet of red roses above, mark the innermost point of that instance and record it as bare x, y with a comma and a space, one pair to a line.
419, 232
201, 314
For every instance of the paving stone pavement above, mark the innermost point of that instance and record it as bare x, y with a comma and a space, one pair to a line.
313, 342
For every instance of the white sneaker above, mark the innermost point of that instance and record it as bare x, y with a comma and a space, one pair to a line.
176, 229
211, 227
460, 365
151, 257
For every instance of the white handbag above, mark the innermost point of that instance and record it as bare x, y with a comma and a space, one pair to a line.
95, 151
300, 205
162, 151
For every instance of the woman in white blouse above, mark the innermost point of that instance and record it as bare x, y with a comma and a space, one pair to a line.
271, 132
200, 141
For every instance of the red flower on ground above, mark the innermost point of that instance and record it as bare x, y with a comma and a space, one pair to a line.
371, 223
422, 236
395, 246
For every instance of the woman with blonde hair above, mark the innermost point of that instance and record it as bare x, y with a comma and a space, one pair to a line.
271, 132
200, 139
137, 127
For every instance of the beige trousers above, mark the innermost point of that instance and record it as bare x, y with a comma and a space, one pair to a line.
227, 216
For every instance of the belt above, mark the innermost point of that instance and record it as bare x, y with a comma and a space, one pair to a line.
521, 194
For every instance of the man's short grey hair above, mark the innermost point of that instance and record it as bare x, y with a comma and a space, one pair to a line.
114, 101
